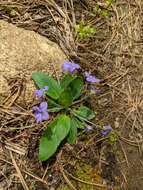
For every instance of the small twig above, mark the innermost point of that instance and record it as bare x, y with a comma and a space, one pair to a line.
35, 177
89, 122
141, 162
56, 7
125, 155
17, 105
15, 150
66, 179
26, 172
7, 99
125, 179
133, 143
123, 75
45, 172
62, 171
6, 111
127, 54
90, 140
11, 112
85, 182
19, 172
13, 120
20, 128
79, 101
15, 97
109, 42
57, 77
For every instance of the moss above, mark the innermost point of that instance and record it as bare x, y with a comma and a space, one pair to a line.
86, 173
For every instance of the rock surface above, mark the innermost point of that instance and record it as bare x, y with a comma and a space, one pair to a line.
22, 52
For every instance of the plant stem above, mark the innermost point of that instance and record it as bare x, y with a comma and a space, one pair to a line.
83, 119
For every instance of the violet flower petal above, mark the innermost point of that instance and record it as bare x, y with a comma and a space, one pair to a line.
41, 112
91, 78
35, 109
45, 116
73, 68
39, 93
45, 88
43, 106
70, 67
106, 130
38, 117
66, 66
105, 133
108, 127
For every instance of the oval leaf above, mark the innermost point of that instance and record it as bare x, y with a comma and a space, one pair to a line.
73, 132
76, 87
71, 92
80, 124
66, 98
52, 137
66, 80
42, 79
53, 106
85, 112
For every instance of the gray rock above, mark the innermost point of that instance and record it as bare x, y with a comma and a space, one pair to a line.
22, 52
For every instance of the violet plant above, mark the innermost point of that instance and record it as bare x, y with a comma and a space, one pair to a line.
40, 112
66, 99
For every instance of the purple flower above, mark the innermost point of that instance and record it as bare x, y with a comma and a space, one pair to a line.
91, 78
70, 67
40, 93
106, 130
46, 88
40, 112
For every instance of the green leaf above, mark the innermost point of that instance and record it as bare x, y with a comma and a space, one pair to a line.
76, 87
66, 98
73, 132
80, 125
62, 128
53, 106
66, 80
48, 142
85, 112
42, 79
84, 31
53, 136
71, 92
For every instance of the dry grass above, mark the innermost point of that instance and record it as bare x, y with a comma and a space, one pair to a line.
114, 53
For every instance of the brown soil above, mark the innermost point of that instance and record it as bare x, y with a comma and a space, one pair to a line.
115, 54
